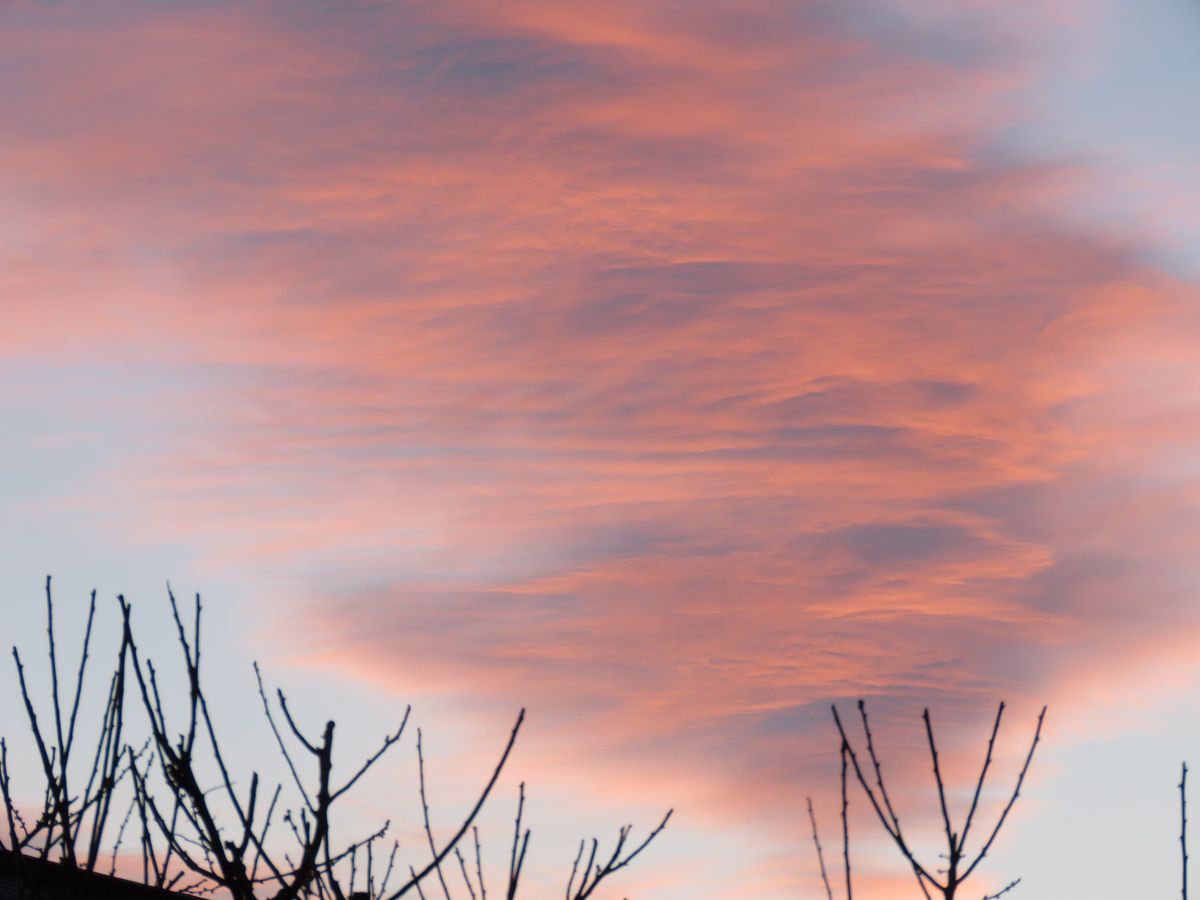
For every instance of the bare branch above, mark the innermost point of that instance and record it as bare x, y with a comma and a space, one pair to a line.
890, 825
462, 865
279, 738
417, 876
519, 846
594, 872
416, 882
425, 812
846, 825
812, 817
887, 802
1037, 734
951, 842
1004, 890
479, 864
987, 762
1183, 826
388, 741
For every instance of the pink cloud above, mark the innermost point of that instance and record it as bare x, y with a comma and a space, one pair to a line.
673, 374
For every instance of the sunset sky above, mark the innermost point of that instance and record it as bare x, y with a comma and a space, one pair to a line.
673, 369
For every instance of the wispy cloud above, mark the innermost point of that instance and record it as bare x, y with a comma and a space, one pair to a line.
677, 370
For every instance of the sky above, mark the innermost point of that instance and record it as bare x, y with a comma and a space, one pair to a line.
671, 369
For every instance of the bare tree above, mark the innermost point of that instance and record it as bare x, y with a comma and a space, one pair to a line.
200, 832
960, 864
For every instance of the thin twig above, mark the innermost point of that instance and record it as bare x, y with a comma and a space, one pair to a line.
951, 842
890, 825
479, 864
987, 762
846, 823
597, 872
1037, 735
417, 876
812, 817
1183, 827
1004, 890
425, 811
519, 846
462, 865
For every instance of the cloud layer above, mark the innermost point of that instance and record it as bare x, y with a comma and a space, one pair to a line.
677, 369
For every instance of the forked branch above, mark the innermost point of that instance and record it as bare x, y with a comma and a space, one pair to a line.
958, 868
594, 872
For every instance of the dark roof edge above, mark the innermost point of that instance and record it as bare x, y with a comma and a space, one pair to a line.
60, 881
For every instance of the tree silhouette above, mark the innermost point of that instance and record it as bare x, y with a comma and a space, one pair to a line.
197, 832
